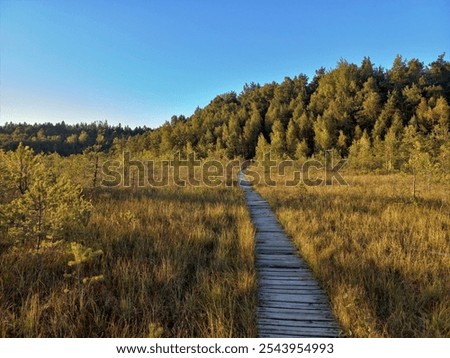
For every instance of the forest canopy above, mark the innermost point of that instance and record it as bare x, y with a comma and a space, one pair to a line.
374, 115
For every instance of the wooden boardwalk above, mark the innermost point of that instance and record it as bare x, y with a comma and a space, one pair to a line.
291, 303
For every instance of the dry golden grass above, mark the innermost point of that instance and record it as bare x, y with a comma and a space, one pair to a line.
176, 262
383, 258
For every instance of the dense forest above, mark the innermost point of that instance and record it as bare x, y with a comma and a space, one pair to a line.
62, 138
378, 118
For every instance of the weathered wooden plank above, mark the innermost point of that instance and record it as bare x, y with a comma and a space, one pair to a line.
301, 316
279, 271
274, 256
292, 298
262, 212
288, 285
299, 330
293, 306
274, 242
280, 236
290, 334
292, 291
299, 307
267, 273
280, 335
271, 243
311, 327
273, 250
267, 221
326, 325
266, 279
269, 277
278, 264
267, 229
282, 281
264, 250
280, 259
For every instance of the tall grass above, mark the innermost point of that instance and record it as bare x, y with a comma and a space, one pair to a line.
176, 262
382, 256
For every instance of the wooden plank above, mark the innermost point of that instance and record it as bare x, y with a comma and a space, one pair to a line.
301, 329
282, 260
280, 335
292, 291
280, 235
268, 273
294, 273
319, 309
271, 243
292, 298
289, 285
269, 278
274, 241
278, 272
271, 289
283, 264
270, 303
279, 258
280, 280
285, 277
274, 256
326, 325
267, 325
269, 249
293, 306
306, 316
294, 334
266, 221
259, 229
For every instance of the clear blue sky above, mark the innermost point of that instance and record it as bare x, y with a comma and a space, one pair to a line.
139, 62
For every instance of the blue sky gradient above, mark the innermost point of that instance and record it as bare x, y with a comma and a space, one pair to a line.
139, 62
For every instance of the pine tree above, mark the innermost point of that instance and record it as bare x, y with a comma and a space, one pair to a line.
325, 132
262, 148
391, 146
361, 153
342, 144
370, 105
301, 152
416, 153
278, 140
292, 139
47, 208
383, 121
233, 139
251, 132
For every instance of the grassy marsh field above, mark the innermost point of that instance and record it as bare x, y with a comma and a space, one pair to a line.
382, 256
174, 262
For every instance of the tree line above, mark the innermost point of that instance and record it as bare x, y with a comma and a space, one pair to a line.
64, 139
379, 118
